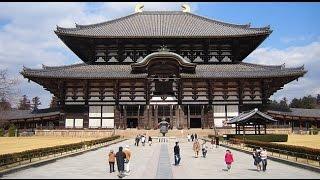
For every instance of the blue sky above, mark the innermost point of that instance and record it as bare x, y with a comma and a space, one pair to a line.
27, 37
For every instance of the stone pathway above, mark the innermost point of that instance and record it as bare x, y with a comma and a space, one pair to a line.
157, 161
164, 170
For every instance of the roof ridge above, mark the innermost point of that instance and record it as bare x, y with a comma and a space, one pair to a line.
243, 26
78, 26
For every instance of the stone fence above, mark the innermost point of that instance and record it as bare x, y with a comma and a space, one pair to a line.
129, 133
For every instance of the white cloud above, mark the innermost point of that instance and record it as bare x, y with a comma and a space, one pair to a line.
308, 55
27, 37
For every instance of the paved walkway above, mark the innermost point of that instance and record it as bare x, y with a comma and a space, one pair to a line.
157, 161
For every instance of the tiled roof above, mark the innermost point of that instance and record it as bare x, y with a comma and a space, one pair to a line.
299, 112
162, 24
27, 114
245, 117
240, 70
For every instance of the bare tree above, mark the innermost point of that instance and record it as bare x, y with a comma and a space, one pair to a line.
7, 86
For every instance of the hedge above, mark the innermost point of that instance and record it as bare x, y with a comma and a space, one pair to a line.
12, 131
6, 159
263, 137
1, 132
299, 151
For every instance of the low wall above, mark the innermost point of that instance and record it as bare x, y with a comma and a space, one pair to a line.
129, 133
75, 133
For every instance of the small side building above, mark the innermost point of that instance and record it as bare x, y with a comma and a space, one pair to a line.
298, 119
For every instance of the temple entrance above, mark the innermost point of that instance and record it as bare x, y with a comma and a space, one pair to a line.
195, 122
132, 122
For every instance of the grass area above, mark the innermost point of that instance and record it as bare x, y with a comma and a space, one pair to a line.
312, 141
18, 144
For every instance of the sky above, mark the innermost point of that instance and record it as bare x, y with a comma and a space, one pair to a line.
27, 36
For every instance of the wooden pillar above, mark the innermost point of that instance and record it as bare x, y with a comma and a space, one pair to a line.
156, 115
255, 129
202, 116
25, 124
140, 124
265, 129
171, 116
188, 118
259, 129
240, 95
125, 116
244, 131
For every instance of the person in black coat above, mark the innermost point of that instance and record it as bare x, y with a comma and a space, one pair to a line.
176, 151
217, 141
120, 156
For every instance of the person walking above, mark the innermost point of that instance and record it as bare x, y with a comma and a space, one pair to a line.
196, 148
150, 140
127, 151
228, 158
188, 137
195, 136
137, 139
120, 157
257, 159
176, 151
217, 141
264, 156
143, 140
204, 149
112, 159
212, 143
192, 137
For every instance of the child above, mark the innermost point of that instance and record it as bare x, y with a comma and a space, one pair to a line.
204, 149
228, 158
112, 159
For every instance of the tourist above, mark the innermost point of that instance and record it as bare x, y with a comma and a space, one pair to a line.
217, 141
228, 158
204, 149
143, 140
257, 159
212, 143
112, 159
120, 157
177, 157
137, 140
195, 136
264, 156
192, 137
150, 140
188, 137
127, 151
196, 148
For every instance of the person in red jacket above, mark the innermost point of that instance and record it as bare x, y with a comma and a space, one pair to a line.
228, 158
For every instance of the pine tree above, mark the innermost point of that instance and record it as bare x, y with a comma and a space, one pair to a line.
54, 102
4, 104
35, 103
24, 103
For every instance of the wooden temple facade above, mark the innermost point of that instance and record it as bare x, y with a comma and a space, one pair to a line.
151, 65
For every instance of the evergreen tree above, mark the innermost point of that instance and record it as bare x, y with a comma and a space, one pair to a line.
54, 102
24, 103
307, 102
35, 103
318, 99
4, 105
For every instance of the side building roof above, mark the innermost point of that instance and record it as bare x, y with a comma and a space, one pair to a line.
27, 114
162, 24
298, 112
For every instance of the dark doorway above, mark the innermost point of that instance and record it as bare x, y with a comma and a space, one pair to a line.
132, 122
195, 122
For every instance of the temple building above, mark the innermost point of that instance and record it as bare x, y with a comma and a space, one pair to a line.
152, 65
